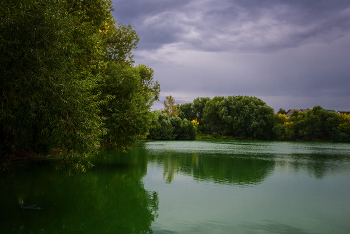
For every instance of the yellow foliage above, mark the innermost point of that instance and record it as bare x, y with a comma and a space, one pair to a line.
104, 28
283, 116
195, 122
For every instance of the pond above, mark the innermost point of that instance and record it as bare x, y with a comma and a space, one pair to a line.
185, 187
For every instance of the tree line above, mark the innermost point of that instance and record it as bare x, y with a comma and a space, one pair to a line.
244, 117
68, 81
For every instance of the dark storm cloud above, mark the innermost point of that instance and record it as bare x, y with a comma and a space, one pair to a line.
254, 25
293, 53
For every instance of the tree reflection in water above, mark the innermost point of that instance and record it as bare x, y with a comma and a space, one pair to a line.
108, 198
241, 171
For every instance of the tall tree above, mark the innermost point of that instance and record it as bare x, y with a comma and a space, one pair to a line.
65, 73
49, 51
186, 111
282, 111
170, 107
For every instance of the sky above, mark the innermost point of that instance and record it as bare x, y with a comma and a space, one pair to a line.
290, 54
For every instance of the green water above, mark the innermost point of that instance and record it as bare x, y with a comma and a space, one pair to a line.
186, 187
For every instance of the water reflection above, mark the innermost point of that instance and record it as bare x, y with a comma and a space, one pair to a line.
272, 227
246, 163
240, 171
108, 198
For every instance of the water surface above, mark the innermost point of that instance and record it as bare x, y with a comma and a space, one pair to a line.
186, 187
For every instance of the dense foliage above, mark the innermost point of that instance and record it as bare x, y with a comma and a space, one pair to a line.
164, 127
246, 117
316, 124
68, 79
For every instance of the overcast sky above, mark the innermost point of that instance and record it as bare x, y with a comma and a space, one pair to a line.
290, 54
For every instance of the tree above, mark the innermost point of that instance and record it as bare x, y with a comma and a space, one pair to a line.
211, 121
186, 111
67, 78
170, 107
50, 55
127, 91
161, 127
128, 94
239, 116
164, 127
279, 126
183, 129
282, 111
343, 129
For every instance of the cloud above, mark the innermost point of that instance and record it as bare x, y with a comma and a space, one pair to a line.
309, 71
285, 51
235, 25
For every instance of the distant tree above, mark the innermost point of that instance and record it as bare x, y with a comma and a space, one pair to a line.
186, 111
189, 130
198, 106
164, 127
212, 122
343, 129
282, 111
170, 107
240, 116
183, 129
161, 127
279, 126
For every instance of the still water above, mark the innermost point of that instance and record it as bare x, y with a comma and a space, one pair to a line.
186, 187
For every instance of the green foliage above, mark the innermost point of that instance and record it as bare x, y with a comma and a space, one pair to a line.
187, 111
164, 127
279, 128
342, 131
316, 124
243, 117
68, 79
211, 118
239, 116
161, 127
128, 94
48, 71
198, 106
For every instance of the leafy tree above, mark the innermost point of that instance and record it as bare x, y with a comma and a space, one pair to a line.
183, 129
189, 131
279, 128
282, 111
198, 106
240, 116
293, 125
66, 72
161, 127
212, 122
186, 111
164, 127
343, 129
128, 93
312, 126
176, 123
49, 51
170, 107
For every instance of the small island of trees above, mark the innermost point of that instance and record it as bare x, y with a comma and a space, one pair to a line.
244, 117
